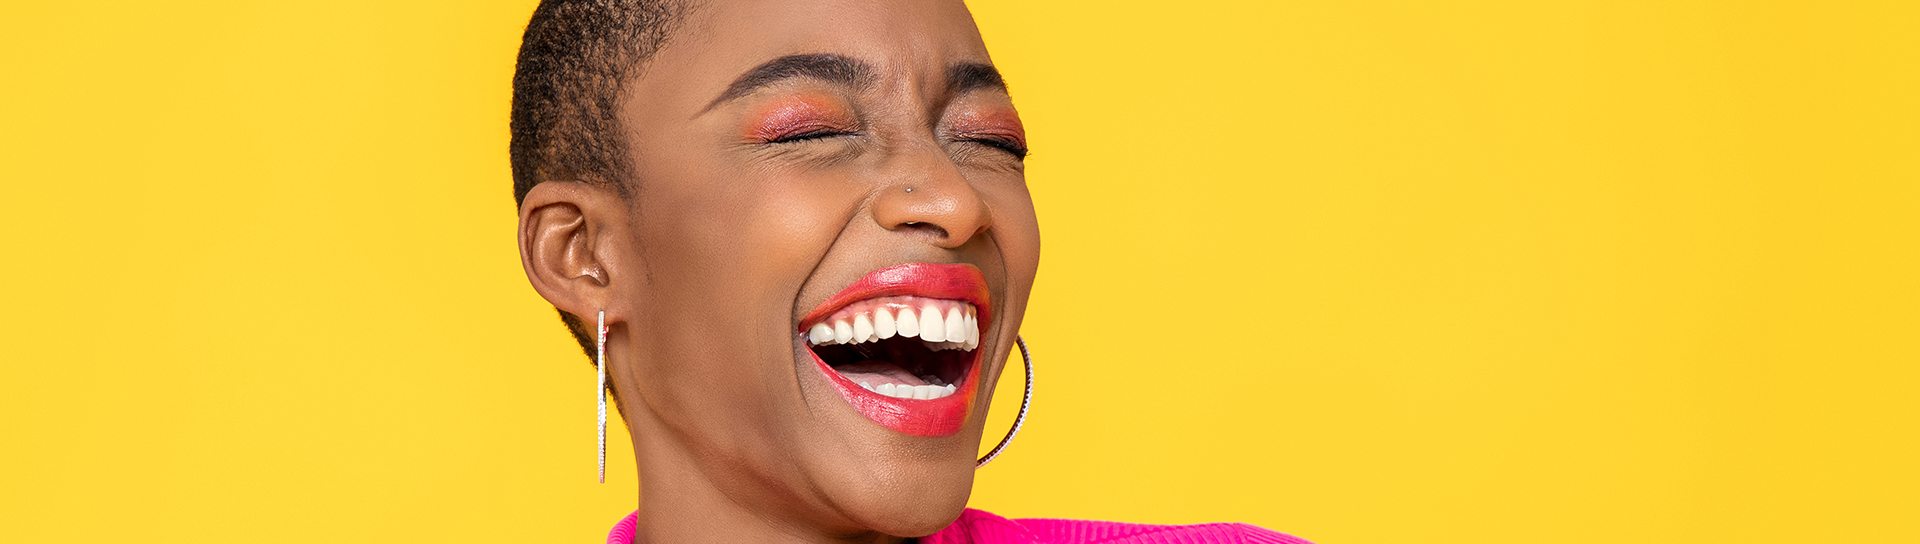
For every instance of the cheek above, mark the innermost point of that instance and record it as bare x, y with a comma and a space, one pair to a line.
1020, 228
792, 219
1011, 201
732, 221
721, 228
723, 257
1016, 230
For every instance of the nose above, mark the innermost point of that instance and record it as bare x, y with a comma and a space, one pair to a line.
932, 198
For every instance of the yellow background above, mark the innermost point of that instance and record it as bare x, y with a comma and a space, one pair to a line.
1367, 272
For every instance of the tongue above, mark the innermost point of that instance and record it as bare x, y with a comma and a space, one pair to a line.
874, 373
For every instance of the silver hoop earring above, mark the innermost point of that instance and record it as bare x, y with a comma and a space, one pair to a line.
600, 361
1026, 400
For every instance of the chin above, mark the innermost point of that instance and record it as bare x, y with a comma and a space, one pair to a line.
913, 510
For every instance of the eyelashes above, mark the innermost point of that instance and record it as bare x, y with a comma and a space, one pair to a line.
1005, 145
815, 132
1011, 147
810, 135
805, 123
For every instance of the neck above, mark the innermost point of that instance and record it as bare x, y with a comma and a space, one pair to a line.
681, 502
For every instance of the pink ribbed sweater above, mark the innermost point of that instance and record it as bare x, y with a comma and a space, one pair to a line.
979, 527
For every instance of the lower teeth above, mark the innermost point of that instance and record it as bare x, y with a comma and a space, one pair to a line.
915, 392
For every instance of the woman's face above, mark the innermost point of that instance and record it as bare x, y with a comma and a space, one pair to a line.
793, 161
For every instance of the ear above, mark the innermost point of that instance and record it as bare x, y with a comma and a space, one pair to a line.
571, 245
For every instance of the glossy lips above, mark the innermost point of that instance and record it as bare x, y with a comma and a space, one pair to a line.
920, 407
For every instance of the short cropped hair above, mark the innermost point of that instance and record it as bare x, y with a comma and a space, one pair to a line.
575, 61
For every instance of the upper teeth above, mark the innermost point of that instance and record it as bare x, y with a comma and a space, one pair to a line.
942, 324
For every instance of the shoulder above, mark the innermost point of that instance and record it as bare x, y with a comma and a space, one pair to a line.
980, 527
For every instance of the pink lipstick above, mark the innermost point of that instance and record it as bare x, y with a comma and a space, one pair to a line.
901, 345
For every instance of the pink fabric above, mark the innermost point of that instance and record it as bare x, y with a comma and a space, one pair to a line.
622, 532
979, 527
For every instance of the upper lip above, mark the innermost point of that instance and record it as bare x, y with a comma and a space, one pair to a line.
961, 282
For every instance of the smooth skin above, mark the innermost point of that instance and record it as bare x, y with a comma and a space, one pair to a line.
747, 213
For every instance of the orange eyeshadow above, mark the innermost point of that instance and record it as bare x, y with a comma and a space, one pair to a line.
798, 114
995, 122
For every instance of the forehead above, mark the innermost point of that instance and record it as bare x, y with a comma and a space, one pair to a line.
719, 40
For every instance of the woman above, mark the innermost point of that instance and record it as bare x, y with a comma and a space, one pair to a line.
797, 237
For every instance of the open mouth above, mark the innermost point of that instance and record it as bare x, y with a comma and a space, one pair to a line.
901, 345
904, 347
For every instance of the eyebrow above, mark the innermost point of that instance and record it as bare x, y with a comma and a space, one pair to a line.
962, 77
968, 76
822, 66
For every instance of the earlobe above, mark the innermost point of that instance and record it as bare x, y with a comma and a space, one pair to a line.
565, 236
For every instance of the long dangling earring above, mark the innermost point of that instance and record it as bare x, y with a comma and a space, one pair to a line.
600, 391
1026, 400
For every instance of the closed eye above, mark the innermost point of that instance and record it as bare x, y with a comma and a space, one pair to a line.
818, 134
1012, 148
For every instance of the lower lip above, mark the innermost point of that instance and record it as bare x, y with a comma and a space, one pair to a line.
931, 418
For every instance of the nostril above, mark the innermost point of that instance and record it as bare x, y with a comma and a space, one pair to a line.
930, 229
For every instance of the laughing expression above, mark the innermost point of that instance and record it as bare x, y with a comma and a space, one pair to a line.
819, 273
